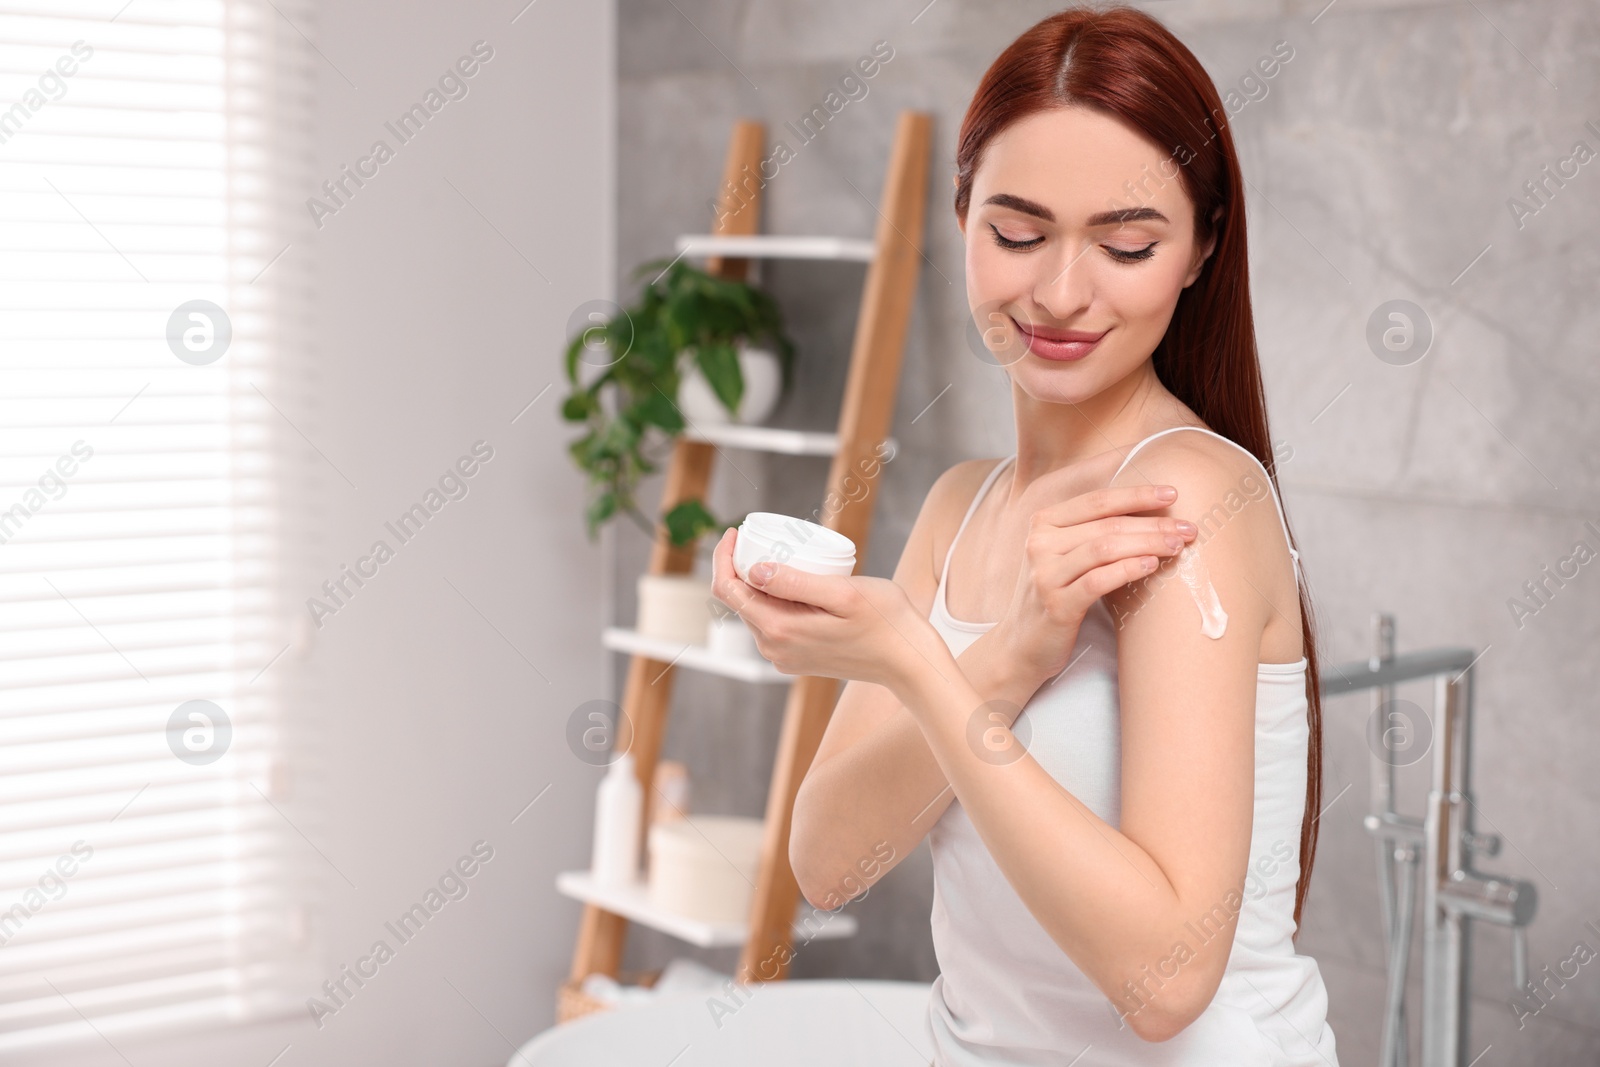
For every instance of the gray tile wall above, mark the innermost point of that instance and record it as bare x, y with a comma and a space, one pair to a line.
1381, 164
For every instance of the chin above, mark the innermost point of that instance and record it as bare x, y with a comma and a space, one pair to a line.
1056, 393
1056, 383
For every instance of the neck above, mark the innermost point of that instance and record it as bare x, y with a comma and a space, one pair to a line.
1053, 434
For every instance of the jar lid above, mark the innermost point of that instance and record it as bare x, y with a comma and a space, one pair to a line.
814, 539
737, 839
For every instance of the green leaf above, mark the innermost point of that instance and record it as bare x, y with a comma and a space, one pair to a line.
657, 409
720, 364
619, 437
601, 508
687, 521
574, 347
579, 406
581, 450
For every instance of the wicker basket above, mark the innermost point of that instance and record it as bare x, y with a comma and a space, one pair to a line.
572, 1002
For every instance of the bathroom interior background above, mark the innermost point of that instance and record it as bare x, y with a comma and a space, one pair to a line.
1381, 159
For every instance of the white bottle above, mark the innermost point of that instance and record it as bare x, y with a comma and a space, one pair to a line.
617, 809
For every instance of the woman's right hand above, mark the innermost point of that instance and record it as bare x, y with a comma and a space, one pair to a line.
1077, 551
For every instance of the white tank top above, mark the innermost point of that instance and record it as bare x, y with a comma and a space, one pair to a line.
1007, 994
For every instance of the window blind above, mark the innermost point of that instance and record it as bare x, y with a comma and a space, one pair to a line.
155, 868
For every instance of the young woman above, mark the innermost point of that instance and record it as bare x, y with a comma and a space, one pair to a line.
1097, 701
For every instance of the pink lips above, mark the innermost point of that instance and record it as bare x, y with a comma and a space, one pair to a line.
1062, 345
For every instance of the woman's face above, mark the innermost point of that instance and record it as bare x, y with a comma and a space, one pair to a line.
1043, 258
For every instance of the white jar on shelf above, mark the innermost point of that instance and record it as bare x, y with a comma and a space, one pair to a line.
729, 636
674, 607
704, 867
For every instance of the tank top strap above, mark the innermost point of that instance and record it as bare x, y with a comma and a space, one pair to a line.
983, 488
1277, 503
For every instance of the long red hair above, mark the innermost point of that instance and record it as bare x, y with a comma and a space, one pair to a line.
1126, 64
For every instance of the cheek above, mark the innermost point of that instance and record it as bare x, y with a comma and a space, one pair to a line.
993, 273
1142, 294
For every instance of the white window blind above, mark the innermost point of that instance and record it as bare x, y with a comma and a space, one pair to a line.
151, 155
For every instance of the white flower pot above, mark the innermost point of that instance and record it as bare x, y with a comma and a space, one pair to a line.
763, 383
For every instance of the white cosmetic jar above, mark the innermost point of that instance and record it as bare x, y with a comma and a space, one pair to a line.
798, 543
704, 867
673, 607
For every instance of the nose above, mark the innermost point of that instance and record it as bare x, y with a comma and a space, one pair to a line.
1066, 286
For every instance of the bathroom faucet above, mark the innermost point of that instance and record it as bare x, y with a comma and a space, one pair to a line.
1445, 842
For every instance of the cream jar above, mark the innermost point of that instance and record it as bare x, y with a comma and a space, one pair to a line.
673, 607
798, 543
704, 867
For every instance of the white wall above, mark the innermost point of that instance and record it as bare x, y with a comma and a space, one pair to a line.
436, 325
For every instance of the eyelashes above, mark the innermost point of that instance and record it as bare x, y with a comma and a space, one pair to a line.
1118, 254
1004, 242
1133, 257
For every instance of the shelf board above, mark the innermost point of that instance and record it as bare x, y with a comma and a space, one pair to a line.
633, 903
695, 657
772, 439
776, 246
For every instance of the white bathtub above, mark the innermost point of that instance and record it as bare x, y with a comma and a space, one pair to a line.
842, 1023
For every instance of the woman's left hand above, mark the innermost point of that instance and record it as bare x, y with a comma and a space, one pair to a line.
836, 627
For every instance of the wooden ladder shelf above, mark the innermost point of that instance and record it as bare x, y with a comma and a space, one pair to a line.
893, 261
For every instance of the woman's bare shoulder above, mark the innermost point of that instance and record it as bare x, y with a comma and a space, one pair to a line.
936, 522
958, 483
949, 498
1215, 478
1224, 491
1203, 453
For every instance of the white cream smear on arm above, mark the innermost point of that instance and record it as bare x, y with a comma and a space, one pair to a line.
1192, 569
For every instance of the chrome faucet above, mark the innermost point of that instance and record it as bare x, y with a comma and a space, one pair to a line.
1444, 841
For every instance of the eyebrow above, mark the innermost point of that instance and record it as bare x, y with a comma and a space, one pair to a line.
1103, 218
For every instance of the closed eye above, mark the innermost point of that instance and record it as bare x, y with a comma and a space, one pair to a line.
1133, 257
1119, 254
1006, 242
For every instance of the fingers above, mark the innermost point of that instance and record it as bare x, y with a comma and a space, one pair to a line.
1062, 556
1102, 580
831, 593
1103, 503
726, 585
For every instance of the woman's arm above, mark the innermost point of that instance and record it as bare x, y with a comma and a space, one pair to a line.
1125, 904
874, 780
880, 783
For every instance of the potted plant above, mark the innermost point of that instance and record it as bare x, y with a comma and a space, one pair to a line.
684, 318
